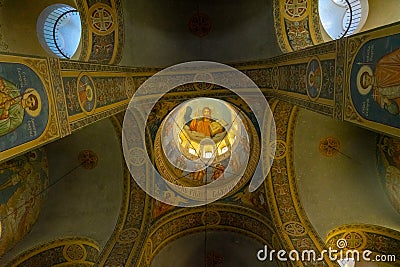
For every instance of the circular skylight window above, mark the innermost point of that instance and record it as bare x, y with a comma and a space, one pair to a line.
59, 30
342, 17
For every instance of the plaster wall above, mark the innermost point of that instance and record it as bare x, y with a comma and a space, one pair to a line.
236, 249
342, 189
84, 203
382, 13
242, 31
157, 33
18, 25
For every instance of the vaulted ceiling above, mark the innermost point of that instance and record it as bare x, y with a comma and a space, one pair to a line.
115, 218
157, 32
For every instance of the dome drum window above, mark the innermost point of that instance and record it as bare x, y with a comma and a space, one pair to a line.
342, 18
59, 30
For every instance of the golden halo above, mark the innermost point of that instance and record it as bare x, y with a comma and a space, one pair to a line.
361, 90
89, 93
32, 91
309, 78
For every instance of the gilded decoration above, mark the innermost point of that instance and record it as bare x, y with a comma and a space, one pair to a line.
281, 149
275, 77
93, 92
221, 217
295, 235
329, 146
88, 159
59, 96
69, 251
305, 78
102, 19
298, 34
294, 228
255, 200
130, 87
282, 195
295, 9
340, 81
128, 235
148, 250
210, 217
128, 239
81, 6
102, 38
378, 239
71, 96
296, 24
74, 252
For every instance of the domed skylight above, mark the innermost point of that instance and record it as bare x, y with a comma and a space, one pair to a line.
342, 17
59, 30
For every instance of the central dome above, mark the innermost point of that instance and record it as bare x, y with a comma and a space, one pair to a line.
204, 130
204, 140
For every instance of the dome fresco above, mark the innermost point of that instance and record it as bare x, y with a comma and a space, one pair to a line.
206, 141
388, 160
23, 184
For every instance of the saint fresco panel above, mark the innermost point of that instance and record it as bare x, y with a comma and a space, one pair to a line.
22, 192
388, 161
24, 109
375, 81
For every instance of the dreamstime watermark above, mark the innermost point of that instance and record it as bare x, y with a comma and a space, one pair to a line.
345, 258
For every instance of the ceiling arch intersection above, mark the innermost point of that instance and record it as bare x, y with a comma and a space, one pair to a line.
296, 231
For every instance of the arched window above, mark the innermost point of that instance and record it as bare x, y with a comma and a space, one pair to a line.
59, 30
342, 17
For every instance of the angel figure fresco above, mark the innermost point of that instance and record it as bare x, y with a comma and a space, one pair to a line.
198, 176
218, 171
13, 105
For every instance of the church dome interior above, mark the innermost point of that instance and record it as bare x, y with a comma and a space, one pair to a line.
304, 162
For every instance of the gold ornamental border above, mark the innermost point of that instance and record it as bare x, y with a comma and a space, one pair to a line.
310, 15
65, 243
110, 10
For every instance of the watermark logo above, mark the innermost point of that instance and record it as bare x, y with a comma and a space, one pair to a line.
341, 243
344, 257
